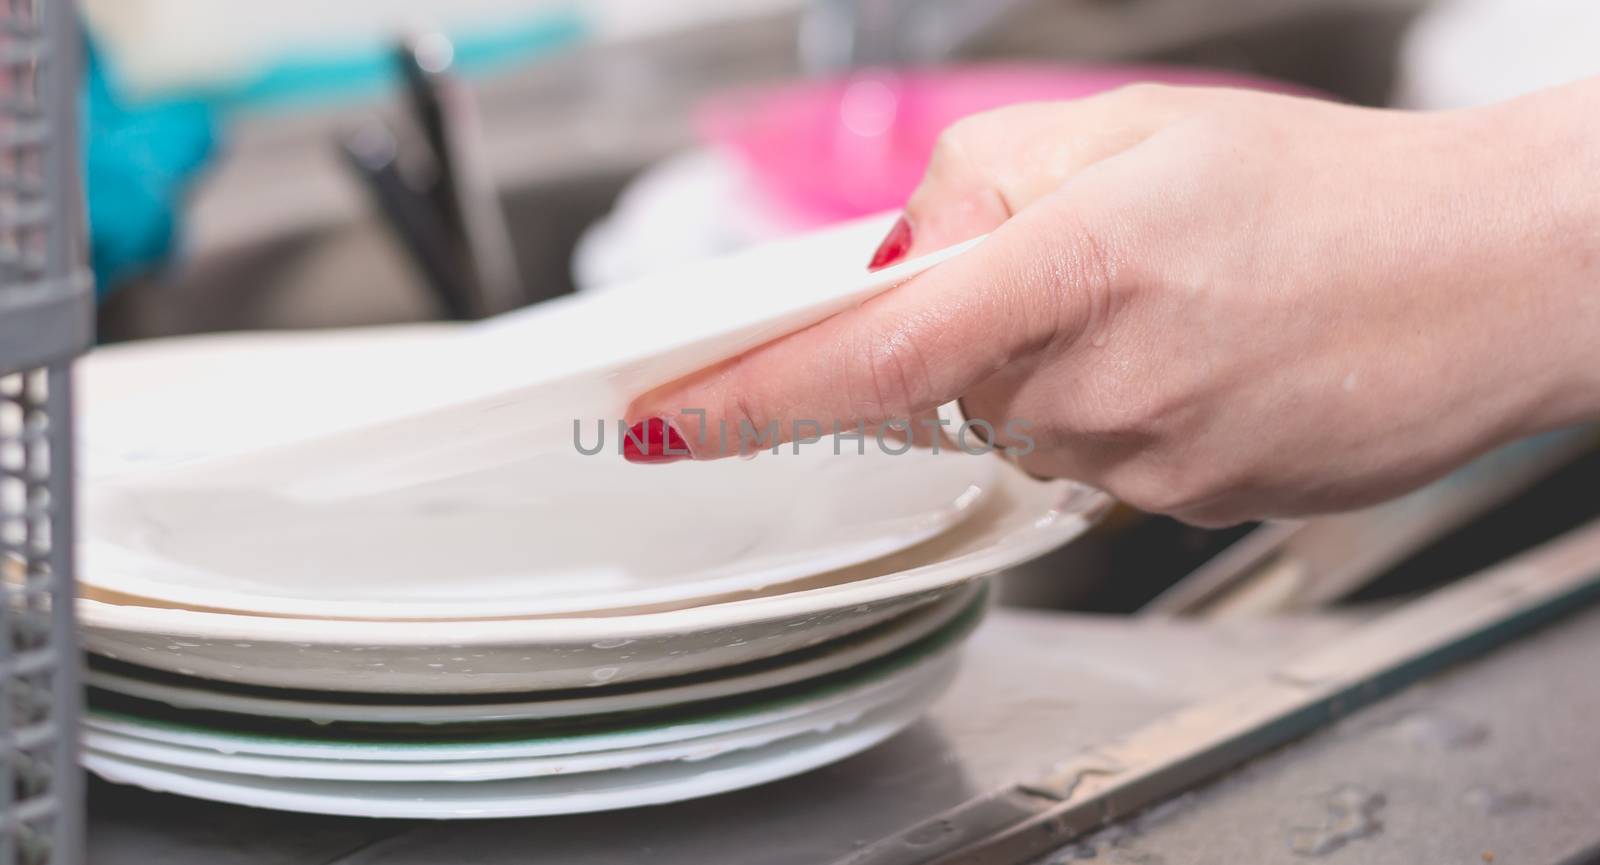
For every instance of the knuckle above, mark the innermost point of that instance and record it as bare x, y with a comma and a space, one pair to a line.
1152, 491
947, 150
1122, 407
897, 381
1115, 419
1144, 94
1175, 487
742, 414
954, 140
1093, 263
951, 161
1083, 269
1211, 517
965, 151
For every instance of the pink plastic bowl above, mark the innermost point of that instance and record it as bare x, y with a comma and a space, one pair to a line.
828, 150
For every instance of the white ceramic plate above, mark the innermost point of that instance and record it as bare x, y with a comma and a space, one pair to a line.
848, 652
242, 734
130, 396
1019, 520
555, 534
250, 754
552, 534
561, 794
512, 385
522, 523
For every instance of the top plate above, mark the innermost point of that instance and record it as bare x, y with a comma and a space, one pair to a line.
514, 385
544, 533
1022, 518
445, 480
552, 534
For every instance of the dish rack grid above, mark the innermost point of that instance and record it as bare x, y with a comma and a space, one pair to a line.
45, 312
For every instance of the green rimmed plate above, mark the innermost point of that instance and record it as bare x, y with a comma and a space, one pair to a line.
872, 683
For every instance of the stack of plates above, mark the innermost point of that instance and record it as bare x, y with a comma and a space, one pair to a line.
543, 752
483, 632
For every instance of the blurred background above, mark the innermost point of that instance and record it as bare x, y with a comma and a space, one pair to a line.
306, 163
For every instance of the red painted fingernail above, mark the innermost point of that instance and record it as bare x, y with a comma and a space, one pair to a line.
654, 441
894, 246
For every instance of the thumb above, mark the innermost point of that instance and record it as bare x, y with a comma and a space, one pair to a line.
1032, 282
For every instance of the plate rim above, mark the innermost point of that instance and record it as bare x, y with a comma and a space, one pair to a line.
940, 648
852, 649
922, 683
979, 482
1075, 507
754, 767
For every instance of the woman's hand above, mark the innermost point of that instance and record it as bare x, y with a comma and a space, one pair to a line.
1222, 305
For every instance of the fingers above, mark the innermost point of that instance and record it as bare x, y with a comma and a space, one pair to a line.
1031, 283
1035, 281
990, 166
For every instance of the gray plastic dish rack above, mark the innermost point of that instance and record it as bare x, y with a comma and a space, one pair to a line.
45, 310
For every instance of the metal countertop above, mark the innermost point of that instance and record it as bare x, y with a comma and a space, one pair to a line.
1495, 761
